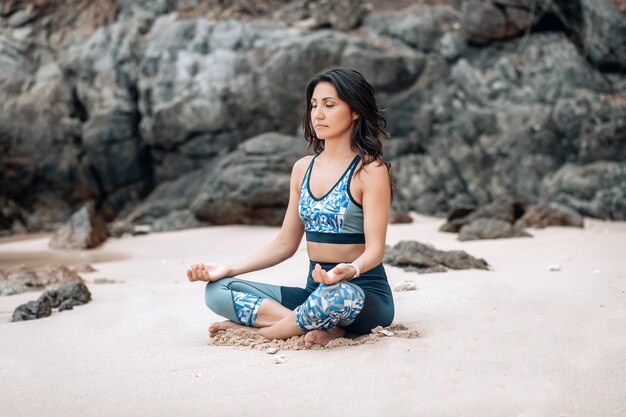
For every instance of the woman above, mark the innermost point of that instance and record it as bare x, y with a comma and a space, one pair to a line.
340, 197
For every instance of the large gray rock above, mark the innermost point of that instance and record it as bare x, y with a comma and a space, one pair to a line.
544, 215
490, 229
599, 25
507, 210
251, 186
85, 230
32, 310
415, 256
596, 189
65, 297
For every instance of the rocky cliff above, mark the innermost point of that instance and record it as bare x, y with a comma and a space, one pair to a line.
182, 113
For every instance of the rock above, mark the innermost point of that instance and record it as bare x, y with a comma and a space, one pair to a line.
597, 24
85, 268
544, 215
396, 217
415, 256
419, 27
68, 295
339, 15
490, 229
19, 279
251, 186
405, 286
554, 268
597, 189
85, 230
32, 310
485, 21
508, 210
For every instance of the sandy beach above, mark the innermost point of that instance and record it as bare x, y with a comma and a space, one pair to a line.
519, 340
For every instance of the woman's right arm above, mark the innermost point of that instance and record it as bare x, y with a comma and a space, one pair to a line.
282, 247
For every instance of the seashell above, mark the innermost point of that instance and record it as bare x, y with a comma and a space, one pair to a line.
280, 359
271, 350
386, 332
555, 267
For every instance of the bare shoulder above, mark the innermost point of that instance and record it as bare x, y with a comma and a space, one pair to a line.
374, 171
300, 167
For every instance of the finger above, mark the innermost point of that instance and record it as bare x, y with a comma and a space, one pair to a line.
316, 273
324, 276
194, 274
189, 275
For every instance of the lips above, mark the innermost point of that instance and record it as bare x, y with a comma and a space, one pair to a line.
318, 126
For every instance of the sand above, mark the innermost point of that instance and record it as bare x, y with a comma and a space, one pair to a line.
520, 340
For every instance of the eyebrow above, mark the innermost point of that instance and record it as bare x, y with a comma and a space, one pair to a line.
326, 98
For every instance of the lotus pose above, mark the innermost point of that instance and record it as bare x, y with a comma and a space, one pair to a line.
340, 198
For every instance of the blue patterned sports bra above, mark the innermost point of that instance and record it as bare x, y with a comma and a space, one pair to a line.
336, 217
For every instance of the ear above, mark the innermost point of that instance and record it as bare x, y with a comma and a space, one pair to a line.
355, 116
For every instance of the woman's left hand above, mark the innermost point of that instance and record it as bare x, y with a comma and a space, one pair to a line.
339, 273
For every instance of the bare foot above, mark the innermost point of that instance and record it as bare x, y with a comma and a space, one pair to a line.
227, 324
322, 337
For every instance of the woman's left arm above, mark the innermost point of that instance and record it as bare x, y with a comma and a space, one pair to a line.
376, 202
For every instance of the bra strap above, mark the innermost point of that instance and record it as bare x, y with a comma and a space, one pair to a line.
308, 172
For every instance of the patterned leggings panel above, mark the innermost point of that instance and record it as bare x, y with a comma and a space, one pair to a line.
330, 305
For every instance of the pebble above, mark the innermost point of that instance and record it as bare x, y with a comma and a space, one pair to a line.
271, 350
386, 332
555, 267
405, 286
280, 359
197, 375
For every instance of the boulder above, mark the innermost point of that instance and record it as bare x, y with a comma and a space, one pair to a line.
544, 215
416, 256
490, 228
32, 310
65, 297
251, 186
85, 230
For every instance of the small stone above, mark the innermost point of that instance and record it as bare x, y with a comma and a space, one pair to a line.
271, 350
141, 229
386, 332
197, 375
555, 267
407, 285
280, 359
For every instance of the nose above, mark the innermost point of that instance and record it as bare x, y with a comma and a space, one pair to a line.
318, 113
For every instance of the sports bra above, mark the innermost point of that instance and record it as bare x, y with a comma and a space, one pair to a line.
336, 217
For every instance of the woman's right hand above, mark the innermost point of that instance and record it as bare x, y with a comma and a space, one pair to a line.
208, 272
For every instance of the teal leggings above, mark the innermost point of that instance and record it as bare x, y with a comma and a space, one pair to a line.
358, 305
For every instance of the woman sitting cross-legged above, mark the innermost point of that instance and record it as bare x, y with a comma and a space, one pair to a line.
340, 198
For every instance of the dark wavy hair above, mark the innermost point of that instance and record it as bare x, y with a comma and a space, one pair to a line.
369, 127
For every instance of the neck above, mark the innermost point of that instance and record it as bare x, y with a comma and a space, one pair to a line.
338, 149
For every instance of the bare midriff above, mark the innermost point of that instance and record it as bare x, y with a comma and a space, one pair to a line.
331, 252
